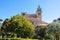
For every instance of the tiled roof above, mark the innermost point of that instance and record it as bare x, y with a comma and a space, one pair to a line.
30, 15
42, 22
36, 19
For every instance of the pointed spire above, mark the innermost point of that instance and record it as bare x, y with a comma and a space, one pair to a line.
38, 6
38, 9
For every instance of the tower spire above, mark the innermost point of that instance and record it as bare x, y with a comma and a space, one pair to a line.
38, 9
39, 12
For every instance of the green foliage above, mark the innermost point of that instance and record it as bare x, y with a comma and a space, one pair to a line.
54, 27
18, 25
40, 32
1, 20
0, 23
54, 30
17, 39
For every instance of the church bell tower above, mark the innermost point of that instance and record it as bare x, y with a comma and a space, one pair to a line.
39, 12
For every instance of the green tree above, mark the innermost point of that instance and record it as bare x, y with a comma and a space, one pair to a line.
54, 28
0, 24
40, 32
1, 20
18, 25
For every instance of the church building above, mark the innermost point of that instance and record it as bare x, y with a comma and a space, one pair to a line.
36, 18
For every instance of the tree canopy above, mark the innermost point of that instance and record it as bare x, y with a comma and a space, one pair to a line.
53, 29
1, 20
18, 25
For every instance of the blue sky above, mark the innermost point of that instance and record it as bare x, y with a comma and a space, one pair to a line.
50, 8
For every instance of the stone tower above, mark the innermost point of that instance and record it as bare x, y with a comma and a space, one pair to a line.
39, 13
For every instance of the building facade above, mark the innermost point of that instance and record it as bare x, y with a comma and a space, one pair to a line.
57, 20
36, 18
